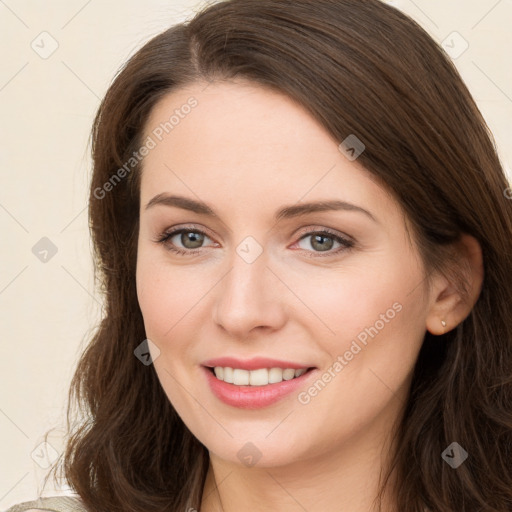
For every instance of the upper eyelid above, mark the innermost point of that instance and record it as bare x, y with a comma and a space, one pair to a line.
183, 229
302, 231
305, 232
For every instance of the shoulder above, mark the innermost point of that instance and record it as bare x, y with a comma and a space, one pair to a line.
50, 504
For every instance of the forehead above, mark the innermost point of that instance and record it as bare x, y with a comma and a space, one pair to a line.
256, 118
241, 138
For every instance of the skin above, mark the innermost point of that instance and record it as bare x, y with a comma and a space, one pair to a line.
248, 151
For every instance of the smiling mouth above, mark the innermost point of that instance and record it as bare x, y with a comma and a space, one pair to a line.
259, 377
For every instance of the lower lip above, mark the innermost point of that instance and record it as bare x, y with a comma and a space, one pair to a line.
253, 397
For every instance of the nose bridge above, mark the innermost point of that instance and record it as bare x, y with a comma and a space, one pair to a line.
247, 278
247, 298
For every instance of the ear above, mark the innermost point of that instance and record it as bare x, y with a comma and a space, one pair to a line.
446, 303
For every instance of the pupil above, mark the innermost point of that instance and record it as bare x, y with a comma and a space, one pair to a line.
195, 239
323, 246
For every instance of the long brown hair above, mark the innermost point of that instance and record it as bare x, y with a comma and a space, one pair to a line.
360, 67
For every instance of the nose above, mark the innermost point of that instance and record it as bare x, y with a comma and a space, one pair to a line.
249, 298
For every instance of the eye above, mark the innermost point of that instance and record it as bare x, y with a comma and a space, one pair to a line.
190, 240
323, 242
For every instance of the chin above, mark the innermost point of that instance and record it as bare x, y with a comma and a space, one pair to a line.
257, 450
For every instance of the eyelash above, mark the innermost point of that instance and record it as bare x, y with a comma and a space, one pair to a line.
167, 235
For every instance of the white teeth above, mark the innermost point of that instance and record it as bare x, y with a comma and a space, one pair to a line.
275, 375
240, 377
228, 375
288, 374
260, 377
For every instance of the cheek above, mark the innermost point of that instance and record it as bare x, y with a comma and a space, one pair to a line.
378, 333
346, 301
157, 296
150, 293
168, 295
374, 311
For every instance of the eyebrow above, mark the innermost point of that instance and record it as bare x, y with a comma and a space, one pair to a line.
286, 212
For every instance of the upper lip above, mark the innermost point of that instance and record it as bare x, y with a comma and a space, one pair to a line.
254, 363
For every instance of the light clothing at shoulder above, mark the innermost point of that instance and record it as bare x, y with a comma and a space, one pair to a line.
50, 504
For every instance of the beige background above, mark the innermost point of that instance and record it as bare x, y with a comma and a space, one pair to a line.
48, 101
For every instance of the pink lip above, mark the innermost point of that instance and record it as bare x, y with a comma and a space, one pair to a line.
253, 364
254, 397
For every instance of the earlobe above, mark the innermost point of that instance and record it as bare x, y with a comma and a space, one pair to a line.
449, 307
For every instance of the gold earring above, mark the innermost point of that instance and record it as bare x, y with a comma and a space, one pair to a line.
443, 323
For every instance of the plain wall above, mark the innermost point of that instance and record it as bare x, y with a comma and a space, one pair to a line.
48, 308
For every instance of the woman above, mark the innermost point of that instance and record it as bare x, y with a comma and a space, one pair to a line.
304, 238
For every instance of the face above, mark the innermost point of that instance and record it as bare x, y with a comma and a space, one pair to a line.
251, 279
